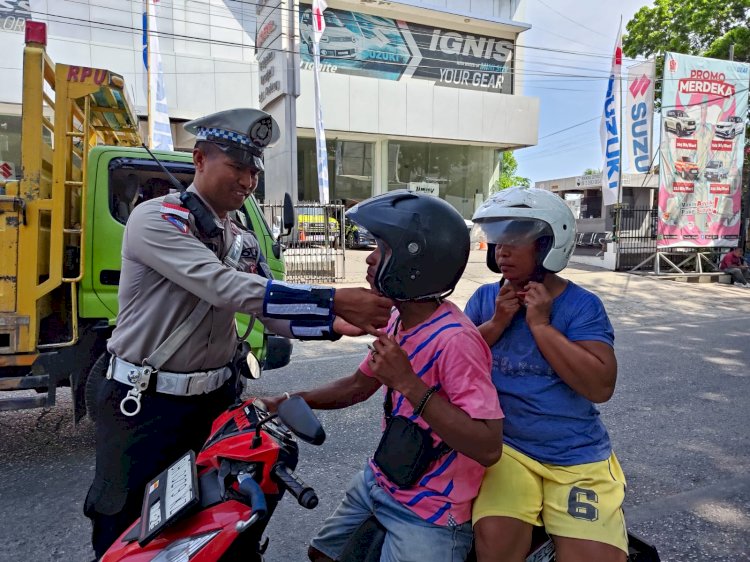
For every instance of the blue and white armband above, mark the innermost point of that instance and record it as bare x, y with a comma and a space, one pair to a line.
299, 302
313, 330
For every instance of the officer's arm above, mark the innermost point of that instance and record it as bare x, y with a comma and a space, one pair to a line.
183, 259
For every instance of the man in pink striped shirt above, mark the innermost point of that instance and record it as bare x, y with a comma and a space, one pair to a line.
436, 367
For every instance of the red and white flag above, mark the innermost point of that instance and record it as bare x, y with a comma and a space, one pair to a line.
318, 21
611, 133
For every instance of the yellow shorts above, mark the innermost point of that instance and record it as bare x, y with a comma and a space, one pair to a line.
582, 501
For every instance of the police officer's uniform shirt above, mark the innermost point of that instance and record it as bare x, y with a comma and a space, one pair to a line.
167, 267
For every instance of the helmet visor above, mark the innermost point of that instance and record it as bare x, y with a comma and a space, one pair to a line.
511, 231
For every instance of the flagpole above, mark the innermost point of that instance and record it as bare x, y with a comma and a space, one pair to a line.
149, 109
622, 131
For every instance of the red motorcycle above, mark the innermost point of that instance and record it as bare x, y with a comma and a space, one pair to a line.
215, 507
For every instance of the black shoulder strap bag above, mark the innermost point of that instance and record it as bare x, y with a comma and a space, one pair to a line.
405, 451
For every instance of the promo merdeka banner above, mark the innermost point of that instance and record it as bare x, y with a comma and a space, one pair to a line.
610, 132
639, 116
704, 107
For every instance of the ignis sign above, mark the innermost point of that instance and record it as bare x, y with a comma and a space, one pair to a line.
13, 15
388, 49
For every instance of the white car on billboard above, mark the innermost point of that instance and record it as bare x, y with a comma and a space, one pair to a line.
679, 122
337, 41
715, 171
733, 126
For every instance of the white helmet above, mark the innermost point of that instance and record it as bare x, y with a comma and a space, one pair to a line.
523, 215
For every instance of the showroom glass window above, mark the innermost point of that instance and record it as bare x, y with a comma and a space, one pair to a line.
459, 174
349, 170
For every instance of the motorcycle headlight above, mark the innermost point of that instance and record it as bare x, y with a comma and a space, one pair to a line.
184, 549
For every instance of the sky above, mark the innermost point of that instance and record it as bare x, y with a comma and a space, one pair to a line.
587, 28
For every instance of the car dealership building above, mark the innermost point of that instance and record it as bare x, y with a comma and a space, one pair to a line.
415, 94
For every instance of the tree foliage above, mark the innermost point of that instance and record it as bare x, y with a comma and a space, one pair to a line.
508, 177
683, 26
692, 27
592, 171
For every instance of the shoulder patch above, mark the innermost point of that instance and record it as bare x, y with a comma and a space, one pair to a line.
176, 210
179, 223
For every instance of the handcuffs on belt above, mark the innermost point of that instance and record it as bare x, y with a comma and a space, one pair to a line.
140, 379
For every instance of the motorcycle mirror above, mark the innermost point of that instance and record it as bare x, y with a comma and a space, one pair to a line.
253, 367
300, 419
288, 216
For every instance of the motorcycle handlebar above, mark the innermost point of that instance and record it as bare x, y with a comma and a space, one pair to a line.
304, 494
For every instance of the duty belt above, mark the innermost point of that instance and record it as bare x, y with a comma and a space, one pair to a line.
176, 384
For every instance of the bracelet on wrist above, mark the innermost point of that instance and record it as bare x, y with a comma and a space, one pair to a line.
423, 402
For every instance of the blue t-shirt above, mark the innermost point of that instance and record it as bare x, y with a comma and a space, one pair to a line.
545, 418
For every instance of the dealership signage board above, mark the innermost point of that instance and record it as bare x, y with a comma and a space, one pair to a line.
704, 106
270, 50
378, 47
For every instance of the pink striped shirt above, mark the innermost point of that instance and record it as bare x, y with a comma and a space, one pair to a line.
446, 350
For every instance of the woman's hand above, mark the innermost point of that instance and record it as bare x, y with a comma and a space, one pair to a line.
507, 304
538, 303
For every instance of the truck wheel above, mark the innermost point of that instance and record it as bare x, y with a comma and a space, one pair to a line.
94, 382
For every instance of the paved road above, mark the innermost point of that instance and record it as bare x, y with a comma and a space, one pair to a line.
678, 421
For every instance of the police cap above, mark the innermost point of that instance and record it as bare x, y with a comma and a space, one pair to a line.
242, 134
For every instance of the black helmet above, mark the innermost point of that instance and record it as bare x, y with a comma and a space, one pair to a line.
428, 239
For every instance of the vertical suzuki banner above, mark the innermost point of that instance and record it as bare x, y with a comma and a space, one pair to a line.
704, 104
159, 130
639, 116
319, 27
610, 132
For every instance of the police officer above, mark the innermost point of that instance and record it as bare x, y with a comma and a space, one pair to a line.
187, 268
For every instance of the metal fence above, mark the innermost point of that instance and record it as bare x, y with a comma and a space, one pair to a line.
315, 249
637, 232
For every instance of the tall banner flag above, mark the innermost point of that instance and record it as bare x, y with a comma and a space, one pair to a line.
704, 104
159, 130
610, 132
639, 116
319, 27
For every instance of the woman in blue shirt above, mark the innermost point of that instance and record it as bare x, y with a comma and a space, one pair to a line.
553, 360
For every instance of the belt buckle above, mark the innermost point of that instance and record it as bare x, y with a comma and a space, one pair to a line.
139, 378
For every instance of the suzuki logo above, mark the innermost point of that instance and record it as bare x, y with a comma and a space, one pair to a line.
6, 170
640, 86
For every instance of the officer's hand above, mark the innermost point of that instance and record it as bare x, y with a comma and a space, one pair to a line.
344, 328
363, 308
272, 402
390, 364
507, 303
538, 304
